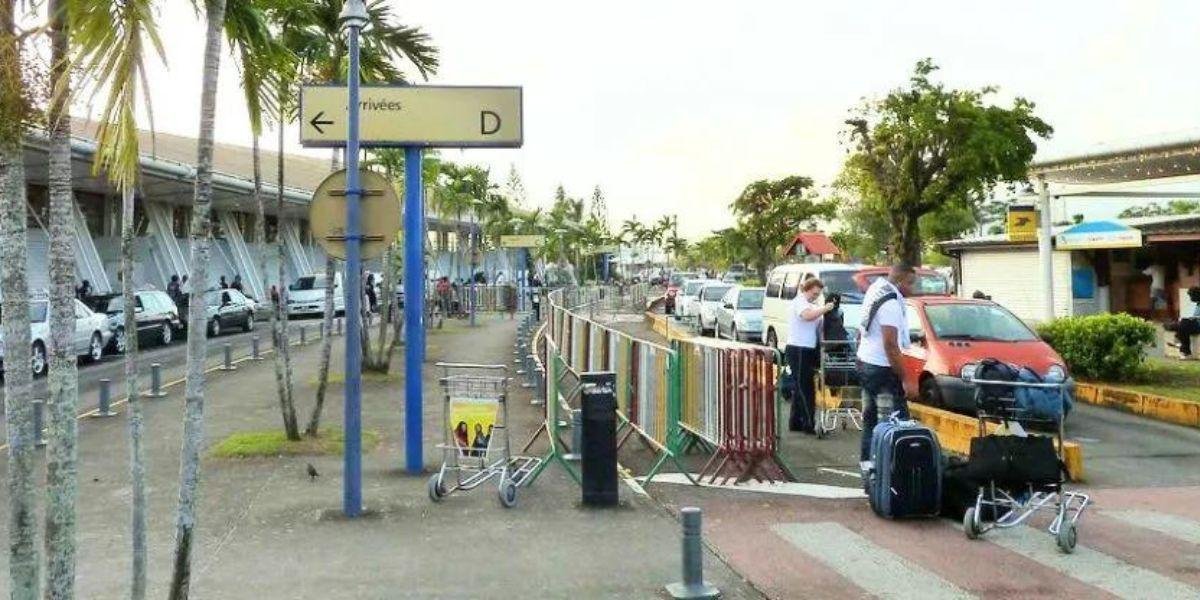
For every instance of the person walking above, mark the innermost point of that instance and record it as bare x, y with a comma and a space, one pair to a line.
372, 296
237, 284
883, 332
1187, 326
173, 289
805, 320
223, 284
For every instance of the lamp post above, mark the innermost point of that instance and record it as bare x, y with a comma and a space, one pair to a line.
353, 19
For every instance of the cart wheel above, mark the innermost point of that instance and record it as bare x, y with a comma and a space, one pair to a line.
436, 490
969, 526
1067, 535
508, 494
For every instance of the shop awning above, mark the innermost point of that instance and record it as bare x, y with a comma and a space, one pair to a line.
1098, 235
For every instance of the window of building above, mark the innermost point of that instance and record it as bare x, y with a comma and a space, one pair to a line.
92, 206
181, 221
271, 225
37, 198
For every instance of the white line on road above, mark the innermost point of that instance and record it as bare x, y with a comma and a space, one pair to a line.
841, 472
878, 571
1091, 566
1169, 525
812, 490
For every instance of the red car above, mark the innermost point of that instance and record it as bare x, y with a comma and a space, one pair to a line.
929, 282
950, 336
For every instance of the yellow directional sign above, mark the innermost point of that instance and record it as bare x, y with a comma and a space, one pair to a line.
428, 116
1022, 223
521, 241
380, 214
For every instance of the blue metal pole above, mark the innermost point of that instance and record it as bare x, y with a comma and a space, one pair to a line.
352, 477
414, 309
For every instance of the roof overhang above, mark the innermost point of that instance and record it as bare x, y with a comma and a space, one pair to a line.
1163, 160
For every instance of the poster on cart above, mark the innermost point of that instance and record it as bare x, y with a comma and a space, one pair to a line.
471, 423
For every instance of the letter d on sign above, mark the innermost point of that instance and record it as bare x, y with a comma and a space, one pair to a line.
488, 126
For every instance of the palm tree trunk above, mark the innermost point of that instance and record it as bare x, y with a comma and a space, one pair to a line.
286, 409
314, 420
61, 466
279, 321
18, 408
137, 454
193, 420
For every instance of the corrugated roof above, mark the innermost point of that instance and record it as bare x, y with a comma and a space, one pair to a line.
814, 242
1146, 224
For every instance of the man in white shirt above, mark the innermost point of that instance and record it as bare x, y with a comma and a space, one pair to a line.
882, 333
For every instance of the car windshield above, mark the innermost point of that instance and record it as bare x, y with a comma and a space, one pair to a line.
115, 305
842, 283
927, 284
751, 299
692, 287
713, 293
309, 282
213, 298
984, 322
678, 278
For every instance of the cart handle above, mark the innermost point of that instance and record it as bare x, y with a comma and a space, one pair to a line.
448, 365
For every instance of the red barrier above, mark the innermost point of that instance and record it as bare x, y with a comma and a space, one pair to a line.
747, 435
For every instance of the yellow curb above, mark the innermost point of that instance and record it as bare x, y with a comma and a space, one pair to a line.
956, 431
1152, 406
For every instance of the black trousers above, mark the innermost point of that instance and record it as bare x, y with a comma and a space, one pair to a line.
1184, 332
803, 363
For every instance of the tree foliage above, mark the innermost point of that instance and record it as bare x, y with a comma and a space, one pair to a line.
923, 148
770, 212
1154, 209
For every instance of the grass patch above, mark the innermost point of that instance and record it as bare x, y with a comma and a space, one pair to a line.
339, 377
1168, 377
273, 442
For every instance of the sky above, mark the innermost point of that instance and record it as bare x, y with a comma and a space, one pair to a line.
673, 107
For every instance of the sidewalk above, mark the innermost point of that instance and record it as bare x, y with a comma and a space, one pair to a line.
265, 530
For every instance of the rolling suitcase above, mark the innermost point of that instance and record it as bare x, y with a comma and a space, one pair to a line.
905, 478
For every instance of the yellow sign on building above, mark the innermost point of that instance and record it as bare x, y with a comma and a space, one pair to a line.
1022, 223
411, 115
522, 241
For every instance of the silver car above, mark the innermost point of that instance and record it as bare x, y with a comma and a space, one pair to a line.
739, 317
710, 298
91, 334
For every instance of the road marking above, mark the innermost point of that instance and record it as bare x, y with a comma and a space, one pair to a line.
878, 571
1091, 566
811, 490
1169, 525
841, 472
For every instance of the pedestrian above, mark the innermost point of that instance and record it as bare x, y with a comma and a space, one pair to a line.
184, 287
883, 332
443, 292
223, 284
805, 320
275, 296
1187, 326
372, 294
237, 284
510, 299
173, 288
84, 290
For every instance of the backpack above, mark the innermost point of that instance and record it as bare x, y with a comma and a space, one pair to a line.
994, 398
875, 306
1041, 403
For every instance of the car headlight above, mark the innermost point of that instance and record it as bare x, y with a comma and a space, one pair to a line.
1056, 372
968, 371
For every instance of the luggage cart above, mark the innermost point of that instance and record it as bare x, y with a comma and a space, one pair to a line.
838, 377
477, 395
1012, 502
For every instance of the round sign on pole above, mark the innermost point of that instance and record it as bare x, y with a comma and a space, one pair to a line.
380, 209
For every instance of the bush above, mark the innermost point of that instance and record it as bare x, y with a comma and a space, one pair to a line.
1109, 347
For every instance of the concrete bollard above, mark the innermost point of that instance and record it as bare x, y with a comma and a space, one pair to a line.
303, 334
338, 328
227, 363
254, 355
105, 408
156, 382
693, 585
39, 422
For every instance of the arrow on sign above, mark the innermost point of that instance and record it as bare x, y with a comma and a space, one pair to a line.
316, 122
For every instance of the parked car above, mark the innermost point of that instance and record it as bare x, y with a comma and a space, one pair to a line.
156, 315
739, 316
91, 334
784, 282
227, 309
710, 298
929, 282
307, 295
688, 297
674, 283
950, 336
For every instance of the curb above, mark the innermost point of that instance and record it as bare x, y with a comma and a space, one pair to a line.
1151, 406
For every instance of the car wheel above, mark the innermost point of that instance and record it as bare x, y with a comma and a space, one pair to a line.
37, 359
772, 341
931, 394
95, 348
118, 342
167, 334
249, 326
214, 328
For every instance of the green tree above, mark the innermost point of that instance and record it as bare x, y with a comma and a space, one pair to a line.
770, 212
924, 147
1154, 209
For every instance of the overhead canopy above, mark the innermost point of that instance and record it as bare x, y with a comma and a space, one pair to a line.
1161, 160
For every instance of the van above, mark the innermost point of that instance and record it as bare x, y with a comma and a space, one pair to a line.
783, 283
307, 295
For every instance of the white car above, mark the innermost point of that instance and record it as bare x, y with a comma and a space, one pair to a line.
91, 334
783, 284
710, 298
307, 295
687, 300
739, 317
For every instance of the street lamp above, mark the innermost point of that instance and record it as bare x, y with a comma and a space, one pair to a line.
354, 15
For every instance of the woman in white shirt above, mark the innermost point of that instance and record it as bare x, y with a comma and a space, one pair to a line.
803, 356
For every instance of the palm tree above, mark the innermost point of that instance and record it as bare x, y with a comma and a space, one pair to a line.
110, 40
259, 57
197, 342
18, 407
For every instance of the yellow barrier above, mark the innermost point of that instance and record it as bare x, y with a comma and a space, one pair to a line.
956, 431
1153, 406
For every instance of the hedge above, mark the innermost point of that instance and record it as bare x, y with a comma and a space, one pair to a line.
1108, 347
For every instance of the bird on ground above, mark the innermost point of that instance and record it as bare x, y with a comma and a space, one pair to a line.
312, 473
